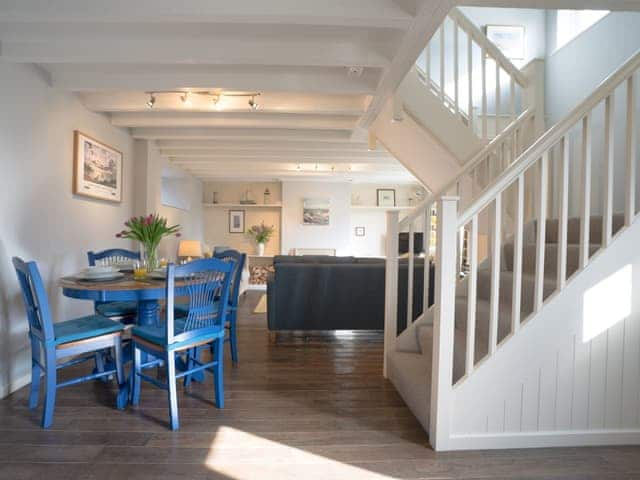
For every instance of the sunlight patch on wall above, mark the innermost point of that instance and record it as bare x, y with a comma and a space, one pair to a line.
571, 23
606, 303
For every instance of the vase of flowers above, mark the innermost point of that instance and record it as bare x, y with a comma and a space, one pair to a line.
262, 234
149, 231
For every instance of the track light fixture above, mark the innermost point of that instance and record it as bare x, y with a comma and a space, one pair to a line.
215, 96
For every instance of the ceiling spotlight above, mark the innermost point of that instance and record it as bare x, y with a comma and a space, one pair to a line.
252, 103
152, 100
185, 98
215, 99
298, 167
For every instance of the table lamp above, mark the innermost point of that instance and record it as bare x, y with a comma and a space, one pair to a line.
189, 249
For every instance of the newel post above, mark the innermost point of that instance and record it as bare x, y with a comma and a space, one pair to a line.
391, 287
443, 324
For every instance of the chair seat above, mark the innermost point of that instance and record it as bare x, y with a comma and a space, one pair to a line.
117, 309
156, 334
83, 328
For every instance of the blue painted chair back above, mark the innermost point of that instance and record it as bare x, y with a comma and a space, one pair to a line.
35, 300
111, 256
238, 260
202, 281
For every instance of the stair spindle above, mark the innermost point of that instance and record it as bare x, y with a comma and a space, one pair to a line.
470, 75
607, 212
585, 207
442, 64
541, 239
410, 261
497, 105
630, 163
563, 214
484, 91
456, 98
517, 256
472, 296
496, 242
426, 235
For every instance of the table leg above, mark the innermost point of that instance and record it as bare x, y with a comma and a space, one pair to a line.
148, 312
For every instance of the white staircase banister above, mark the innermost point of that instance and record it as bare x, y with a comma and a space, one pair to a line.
551, 137
468, 167
490, 48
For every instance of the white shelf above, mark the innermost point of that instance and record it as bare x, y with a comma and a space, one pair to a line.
242, 205
384, 209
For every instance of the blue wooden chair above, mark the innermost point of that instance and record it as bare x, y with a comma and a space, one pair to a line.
201, 281
124, 311
51, 342
238, 259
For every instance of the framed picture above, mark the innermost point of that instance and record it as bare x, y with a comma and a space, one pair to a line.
386, 197
509, 39
97, 169
236, 221
315, 211
359, 231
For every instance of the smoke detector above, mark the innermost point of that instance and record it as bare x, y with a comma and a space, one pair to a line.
355, 71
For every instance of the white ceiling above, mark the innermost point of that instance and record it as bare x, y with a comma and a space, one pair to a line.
313, 113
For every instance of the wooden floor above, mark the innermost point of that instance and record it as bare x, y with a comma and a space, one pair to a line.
310, 409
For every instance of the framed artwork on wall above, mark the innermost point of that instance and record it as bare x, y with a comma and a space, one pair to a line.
359, 231
508, 38
386, 197
315, 211
236, 221
97, 169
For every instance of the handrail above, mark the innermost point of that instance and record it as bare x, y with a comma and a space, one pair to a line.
469, 165
551, 137
491, 49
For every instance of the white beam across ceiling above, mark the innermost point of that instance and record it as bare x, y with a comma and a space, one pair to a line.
266, 153
250, 145
242, 134
259, 159
234, 120
370, 13
282, 78
275, 102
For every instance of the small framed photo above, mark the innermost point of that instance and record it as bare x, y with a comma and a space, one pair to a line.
236, 221
359, 231
508, 38
386, 197
97, 169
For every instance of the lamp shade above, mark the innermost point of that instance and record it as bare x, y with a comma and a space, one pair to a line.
189, 248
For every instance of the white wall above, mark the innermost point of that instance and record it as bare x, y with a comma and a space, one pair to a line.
151, 168
335, 235
41, 219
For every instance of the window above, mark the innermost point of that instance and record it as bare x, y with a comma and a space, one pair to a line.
571, 23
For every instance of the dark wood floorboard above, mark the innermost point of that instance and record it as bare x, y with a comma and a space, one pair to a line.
313, 408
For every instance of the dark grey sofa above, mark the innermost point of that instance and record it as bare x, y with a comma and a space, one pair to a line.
336, 293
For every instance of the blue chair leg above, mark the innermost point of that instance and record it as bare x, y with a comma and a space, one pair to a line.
233, 341
172, 391
123, 394
218, 379
50, 395
135, 379
34, 394
99, 356
191, 354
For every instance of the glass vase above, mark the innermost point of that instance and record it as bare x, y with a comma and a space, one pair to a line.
149, 253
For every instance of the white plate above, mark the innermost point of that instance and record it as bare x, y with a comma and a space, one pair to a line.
158, 274
100, 278
124, 266
99, 270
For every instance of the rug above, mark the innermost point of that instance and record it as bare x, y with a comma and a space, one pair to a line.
262, 305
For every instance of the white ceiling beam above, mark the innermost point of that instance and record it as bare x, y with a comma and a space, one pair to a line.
215, 50
241, 134
274, 102
229, 160
234, 120
92, 77
430, 15
230, 154
371, 13
264, 145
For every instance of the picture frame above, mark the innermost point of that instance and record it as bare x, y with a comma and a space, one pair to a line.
508, 38
236, 221
97, 169
360, 231
386, 197
316, 211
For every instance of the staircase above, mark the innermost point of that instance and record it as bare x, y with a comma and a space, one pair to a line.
502, 359
461, 93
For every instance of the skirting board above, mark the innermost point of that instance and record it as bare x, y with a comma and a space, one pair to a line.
9, 388
577, 438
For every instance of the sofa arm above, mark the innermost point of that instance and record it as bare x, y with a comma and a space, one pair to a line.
271, 302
